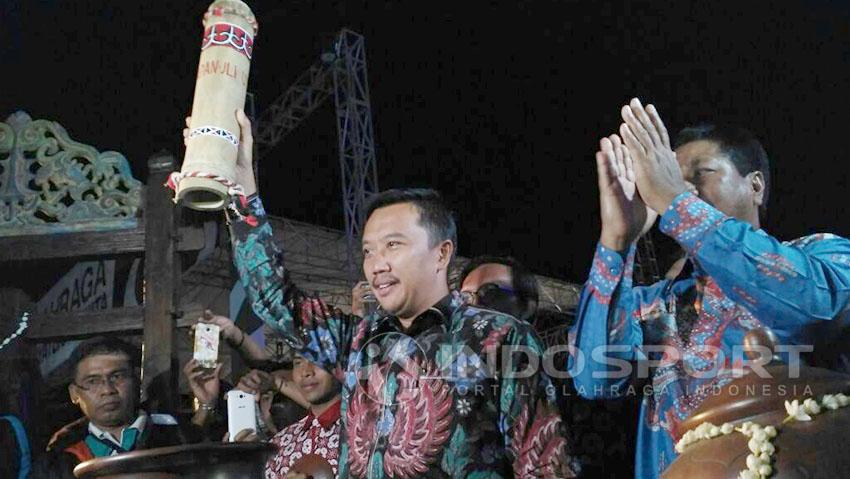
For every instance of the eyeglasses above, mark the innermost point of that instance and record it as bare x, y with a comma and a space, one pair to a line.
486, 293
116, 379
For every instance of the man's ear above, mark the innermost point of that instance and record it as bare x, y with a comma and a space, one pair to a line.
758, 186
446, 252
75, 398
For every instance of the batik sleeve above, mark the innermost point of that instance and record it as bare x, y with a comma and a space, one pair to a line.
307, 324
607, 333
787, 286
529, 419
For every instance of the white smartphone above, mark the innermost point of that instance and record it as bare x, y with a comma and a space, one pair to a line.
241, 413
206, 344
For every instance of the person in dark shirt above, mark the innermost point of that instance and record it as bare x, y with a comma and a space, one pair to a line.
501, 283
105, 386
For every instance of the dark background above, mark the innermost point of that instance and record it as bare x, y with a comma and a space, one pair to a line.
498, 104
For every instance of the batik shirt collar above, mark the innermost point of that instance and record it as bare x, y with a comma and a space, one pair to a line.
440, 313
328, 418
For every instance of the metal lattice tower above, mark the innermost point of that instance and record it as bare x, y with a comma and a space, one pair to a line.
286, 112
341, 71
356, 141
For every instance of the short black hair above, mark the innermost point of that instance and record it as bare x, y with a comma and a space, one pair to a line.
523, 282
434, 215
744, 150
104, 345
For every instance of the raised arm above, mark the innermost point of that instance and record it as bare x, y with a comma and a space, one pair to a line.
606, 326
787, 286
607, 332
250, 351
307, 324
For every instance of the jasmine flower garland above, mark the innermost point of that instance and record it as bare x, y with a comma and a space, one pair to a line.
23, 323
761, 437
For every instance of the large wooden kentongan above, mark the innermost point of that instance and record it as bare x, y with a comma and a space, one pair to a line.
314, 466
803, 449
195, 461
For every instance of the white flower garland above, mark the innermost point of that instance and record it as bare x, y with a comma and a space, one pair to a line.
22, 325
760, 443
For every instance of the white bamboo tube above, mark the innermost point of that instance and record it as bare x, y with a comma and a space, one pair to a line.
208, 174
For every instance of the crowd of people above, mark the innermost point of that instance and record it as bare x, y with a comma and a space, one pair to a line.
440, 383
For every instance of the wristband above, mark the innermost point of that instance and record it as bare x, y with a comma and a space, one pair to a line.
200, 406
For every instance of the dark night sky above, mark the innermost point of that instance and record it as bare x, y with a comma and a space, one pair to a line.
498, 104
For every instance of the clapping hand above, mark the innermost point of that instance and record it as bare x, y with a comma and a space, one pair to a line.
657, 173
625, 217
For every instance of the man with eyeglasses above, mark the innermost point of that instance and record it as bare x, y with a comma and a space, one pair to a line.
500, 283
105, 386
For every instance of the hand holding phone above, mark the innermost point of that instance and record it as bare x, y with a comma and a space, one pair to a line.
241, 412
206, 344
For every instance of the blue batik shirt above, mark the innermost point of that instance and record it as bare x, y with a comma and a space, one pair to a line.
742, 279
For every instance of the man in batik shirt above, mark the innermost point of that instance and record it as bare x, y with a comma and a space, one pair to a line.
424, 389
317, 432
710, 193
